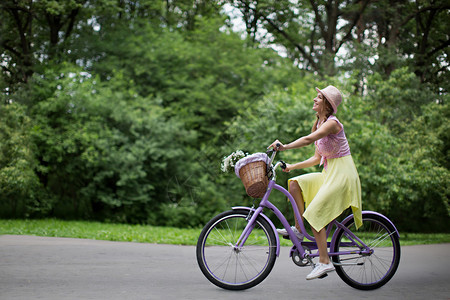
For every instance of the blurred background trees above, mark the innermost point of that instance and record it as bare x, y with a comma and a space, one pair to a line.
121, 111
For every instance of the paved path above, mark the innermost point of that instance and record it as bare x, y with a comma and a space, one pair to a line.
61, 268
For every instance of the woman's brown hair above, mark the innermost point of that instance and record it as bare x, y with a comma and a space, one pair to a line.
329, 110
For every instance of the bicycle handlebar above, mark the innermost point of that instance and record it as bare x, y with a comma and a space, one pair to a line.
274, 151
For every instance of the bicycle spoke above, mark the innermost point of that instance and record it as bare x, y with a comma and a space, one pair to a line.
231, 232
385, 263
223, 238
257, 249
235, 271
381, 239
220, 241
227, 261
250, 262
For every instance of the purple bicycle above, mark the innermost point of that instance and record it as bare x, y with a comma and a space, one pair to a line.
237, 249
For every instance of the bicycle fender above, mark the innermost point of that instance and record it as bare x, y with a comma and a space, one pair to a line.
268, 220
382, 216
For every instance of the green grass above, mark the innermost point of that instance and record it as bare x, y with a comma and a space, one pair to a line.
100, 231
149, 234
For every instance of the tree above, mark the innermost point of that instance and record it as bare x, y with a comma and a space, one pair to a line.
310, 31
107, 151
416, 30
33, 33
19, 185
363, 36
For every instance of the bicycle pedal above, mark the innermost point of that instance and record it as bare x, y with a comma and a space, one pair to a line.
323, 276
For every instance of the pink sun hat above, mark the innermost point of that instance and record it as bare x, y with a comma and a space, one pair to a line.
333, 95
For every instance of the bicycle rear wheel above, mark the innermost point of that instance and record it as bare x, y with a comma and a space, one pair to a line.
368, 271
229, 267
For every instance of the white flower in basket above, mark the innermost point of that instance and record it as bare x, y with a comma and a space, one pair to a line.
230, 161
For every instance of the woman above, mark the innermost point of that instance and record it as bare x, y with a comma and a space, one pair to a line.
326, 194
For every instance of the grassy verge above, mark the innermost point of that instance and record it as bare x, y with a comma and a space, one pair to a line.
100, 231
148, 234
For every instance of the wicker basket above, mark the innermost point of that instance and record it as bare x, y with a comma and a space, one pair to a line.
253, 176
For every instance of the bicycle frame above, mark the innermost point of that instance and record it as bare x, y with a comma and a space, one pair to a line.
265, 203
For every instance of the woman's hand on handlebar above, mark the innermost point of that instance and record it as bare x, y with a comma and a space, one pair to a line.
277, 146
288, 168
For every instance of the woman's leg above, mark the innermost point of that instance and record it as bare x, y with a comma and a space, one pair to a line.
321, 240
321, 236
324, 266
296, 192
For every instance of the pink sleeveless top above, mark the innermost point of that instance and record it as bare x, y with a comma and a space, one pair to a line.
333, 145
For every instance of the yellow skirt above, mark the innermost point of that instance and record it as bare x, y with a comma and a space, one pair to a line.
329, 193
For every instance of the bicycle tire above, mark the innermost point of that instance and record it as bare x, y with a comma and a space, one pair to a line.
227, 267
375, 269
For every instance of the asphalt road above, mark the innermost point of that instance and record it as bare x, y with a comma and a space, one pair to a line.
60, 268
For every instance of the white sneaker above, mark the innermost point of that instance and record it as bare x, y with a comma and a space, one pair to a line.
284, 232
320, 270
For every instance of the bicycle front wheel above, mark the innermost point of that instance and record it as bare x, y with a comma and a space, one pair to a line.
368, 271
236, 268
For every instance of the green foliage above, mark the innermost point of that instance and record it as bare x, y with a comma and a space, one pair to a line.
400, 145
123, 110
398, 100
199, 76
423, 190
19, 185
106, 159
